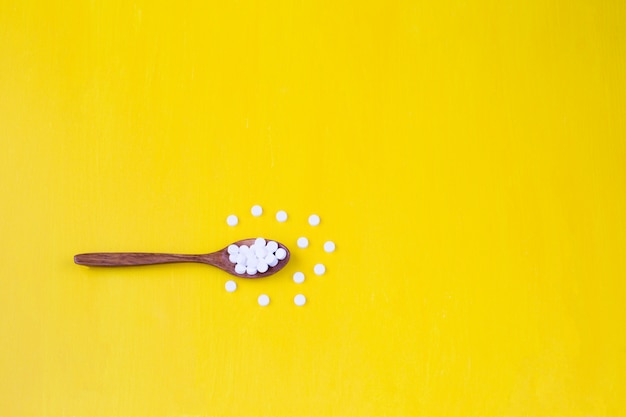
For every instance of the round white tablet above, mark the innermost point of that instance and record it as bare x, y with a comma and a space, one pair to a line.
240, 268
256, 210
271, 260
298, 277
319, 269
329, 246
232, 220
314, 219
231, 286
271, 246
262, 267
251, 261
233, 249
299, 300
281, 216
263, 300
303, 242
280, 254
260, 252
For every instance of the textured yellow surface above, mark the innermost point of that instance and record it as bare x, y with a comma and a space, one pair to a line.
468, 158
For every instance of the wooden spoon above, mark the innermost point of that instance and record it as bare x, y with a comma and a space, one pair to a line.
218, 259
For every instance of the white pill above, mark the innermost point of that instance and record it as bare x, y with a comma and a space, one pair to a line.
314, 219
281, 254
303, 242
260, 242
256, 210
260, 253
271, 246
251, 261
271, 260
329, 246
233, 249
319, 269
241, 259
263, 300
273, 263
281, 216
233, 258
240, 268
299, 300
244, 249
231, 286
232, 220
298, 277
251, 270
262, 267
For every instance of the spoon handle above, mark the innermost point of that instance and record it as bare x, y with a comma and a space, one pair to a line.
134, 258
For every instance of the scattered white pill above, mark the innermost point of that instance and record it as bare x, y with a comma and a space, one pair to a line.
262, 267
319, 269
231, 286
314, 219
299, 300
298, 277
232, 220
281, 216
240, 268
233, 249
251, 270
303, 242
271, 246
329, 246
256, 210
280, 254
263, 300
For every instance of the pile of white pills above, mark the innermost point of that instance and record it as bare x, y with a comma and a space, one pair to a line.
258, 257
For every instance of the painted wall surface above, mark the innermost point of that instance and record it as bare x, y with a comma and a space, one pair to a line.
467, 158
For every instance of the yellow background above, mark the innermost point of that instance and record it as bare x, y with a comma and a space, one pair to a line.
468, 158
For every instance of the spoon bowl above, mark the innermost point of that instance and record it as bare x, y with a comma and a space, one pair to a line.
217, 259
